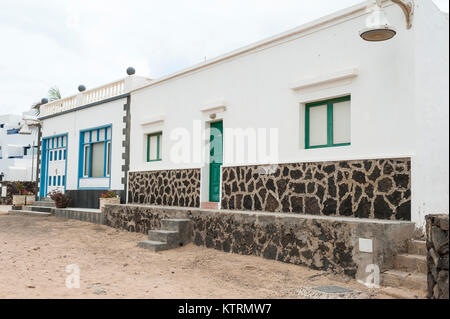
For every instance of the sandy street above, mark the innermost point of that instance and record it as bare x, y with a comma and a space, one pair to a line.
35, 251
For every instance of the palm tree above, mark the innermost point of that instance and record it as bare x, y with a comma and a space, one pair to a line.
53, 95
36, 107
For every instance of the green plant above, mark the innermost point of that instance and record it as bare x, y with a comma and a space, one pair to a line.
109, 194
20, 188
54, 94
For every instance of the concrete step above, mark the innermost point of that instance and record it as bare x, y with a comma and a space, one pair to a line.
178, 225
401, 279
28, 213
152, 245
165, 236
42, 209
403, 293
87, 215
209, 205
411, 263
45, 203
417, 247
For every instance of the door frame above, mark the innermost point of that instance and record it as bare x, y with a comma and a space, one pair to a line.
43, 183
210, 163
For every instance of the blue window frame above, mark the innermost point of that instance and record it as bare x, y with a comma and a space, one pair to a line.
95, 152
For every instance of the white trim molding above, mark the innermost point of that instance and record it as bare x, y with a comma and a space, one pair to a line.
153, 120
325, 78
216, 107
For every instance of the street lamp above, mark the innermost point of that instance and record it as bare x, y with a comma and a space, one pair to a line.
378, 27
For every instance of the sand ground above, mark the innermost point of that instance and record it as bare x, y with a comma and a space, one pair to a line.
35, 251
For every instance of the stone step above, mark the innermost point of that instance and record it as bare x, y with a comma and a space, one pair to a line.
43, 209
28, 213
152, 245
91, 216
209, 205
43, 203
417, 247
166, 236
411, 263
401, 279
399, 293
179, 225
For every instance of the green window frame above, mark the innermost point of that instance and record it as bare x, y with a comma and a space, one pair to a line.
158, 147
329, 104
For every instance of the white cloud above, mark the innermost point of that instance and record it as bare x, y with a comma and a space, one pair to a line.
67, 43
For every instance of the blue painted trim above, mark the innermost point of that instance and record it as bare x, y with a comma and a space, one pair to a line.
81, 148
12, 131
44, 182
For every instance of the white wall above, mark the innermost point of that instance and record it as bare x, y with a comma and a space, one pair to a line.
256, 89
73, 122
430, 170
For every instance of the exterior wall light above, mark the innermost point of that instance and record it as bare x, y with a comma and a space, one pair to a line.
131, 71
378, 27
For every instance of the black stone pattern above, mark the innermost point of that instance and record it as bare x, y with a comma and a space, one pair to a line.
11, 189
374, 188
437, 257
167, 187
318, 244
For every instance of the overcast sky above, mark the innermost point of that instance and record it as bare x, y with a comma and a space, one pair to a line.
65, 43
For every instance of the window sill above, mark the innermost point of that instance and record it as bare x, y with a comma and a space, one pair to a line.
327, 146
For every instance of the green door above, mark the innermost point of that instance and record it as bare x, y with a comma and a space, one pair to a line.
216, 160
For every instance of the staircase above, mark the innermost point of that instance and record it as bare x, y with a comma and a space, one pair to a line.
173, 233
410, 269
40, 208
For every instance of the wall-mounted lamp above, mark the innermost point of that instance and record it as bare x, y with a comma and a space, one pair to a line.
378, 27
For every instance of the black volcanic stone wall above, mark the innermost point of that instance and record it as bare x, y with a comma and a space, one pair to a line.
168, 188
318, 244
437, 258
11, 189
375, 188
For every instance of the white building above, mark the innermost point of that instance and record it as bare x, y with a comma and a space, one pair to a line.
360, 128
83, 139
17, 156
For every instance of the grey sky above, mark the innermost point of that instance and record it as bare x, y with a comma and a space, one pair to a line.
65, 43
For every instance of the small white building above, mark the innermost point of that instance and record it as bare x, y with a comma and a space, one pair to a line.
355, 128
18, 157
83, 142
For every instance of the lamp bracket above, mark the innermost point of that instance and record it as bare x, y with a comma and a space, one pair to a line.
407, 7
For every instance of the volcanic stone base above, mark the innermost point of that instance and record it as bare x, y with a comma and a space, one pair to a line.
87, 215
167, 187
11, 189
89, 198
319, 242
437, 259
372, 188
